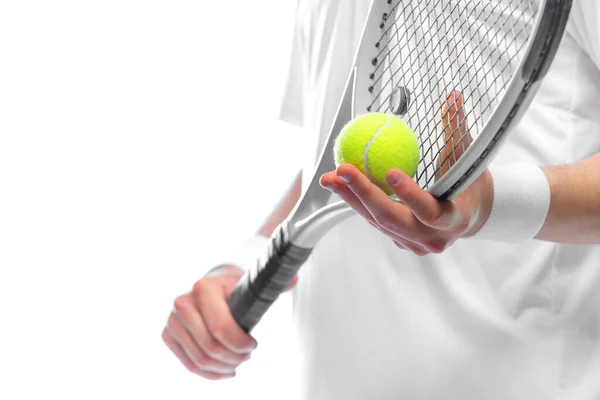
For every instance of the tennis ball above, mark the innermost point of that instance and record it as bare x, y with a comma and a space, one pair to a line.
375, 143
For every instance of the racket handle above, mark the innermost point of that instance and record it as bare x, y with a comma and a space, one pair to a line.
260, 286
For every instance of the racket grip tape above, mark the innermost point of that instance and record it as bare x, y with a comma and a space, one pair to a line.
261, 285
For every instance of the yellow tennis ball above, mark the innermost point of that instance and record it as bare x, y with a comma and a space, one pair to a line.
375, 143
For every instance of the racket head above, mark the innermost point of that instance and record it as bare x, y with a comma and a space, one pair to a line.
460, 73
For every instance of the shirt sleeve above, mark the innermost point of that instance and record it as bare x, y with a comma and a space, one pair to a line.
292, 106
584, 26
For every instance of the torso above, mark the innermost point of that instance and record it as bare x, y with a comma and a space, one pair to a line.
483, 320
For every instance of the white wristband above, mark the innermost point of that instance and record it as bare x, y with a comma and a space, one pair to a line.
520, 206
245, 255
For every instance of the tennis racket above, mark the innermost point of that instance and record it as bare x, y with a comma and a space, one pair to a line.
437, 64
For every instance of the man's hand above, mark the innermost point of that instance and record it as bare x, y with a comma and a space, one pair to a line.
421, 223
201, 331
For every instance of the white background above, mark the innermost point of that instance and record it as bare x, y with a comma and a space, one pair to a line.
138, 139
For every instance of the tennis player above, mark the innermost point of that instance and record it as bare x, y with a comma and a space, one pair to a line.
495, 295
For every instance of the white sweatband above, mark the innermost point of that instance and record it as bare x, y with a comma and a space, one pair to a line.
246, 254
520, 205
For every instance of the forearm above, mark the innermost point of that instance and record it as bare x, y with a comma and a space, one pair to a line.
244, 255
574, 214
283, 208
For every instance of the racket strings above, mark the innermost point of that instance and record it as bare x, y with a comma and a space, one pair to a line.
464, 135
426, 143
433, 48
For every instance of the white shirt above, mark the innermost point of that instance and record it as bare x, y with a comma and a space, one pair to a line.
483, 320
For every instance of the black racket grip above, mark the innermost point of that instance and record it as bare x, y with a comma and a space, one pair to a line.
260, 286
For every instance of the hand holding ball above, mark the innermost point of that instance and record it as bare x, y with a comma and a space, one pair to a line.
375, 143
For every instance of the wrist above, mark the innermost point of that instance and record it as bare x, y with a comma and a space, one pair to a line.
225, 269
519, 205
484, 195
243, 256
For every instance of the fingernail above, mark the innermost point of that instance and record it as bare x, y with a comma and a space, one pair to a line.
345, 178
393, 178
252, 347
332, 187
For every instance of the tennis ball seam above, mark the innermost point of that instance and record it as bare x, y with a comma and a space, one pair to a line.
368, 147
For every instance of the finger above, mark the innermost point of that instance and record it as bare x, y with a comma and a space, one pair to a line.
179, 352
189, 316
410, 246
455, 125
210, 300
400, 245
390, 215
332, 182
456, 133
186, 361
425, 207
391, 218
395, 238
203, 361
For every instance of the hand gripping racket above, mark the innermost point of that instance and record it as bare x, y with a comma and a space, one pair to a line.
479, 60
